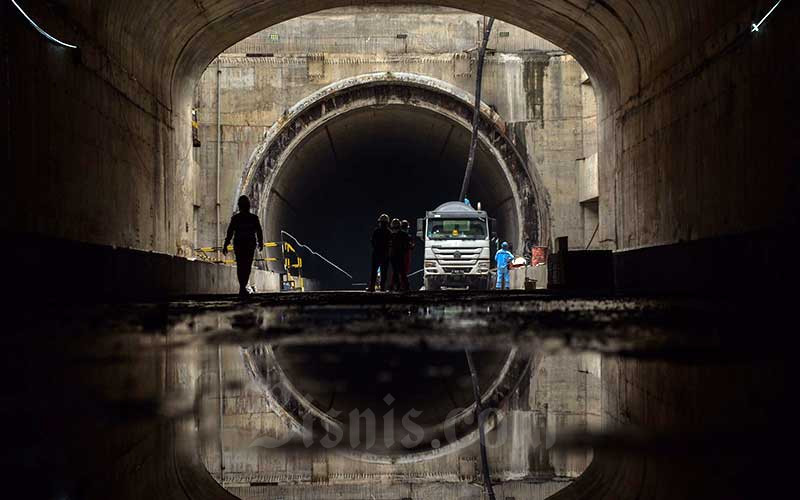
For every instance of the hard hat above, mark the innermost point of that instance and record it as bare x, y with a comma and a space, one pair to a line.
383, 218
395, 222
404, 224
504, 245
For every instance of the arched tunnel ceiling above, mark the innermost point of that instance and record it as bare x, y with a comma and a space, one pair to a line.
594, 32
617, 41
426, 142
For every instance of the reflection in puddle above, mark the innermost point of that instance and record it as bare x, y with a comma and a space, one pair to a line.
365, 401
144, 383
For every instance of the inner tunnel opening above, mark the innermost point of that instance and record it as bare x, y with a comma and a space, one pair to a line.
396, 159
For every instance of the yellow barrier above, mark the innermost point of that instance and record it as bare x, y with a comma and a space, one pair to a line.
288, 266
292, 282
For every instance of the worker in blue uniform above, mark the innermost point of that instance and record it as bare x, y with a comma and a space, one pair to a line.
503, 258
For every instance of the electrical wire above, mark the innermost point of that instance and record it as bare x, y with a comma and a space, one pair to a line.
311, 250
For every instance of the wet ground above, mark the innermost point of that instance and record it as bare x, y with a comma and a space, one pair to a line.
86, 380
663, 327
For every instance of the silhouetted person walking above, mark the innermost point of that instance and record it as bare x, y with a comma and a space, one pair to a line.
245, 230
381, 239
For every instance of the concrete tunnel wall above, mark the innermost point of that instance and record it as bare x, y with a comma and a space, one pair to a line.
386, 142
696, 143
664, 74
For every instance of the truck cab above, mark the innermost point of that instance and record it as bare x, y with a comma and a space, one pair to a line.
457, 242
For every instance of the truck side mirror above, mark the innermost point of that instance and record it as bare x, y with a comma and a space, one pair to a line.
421, 228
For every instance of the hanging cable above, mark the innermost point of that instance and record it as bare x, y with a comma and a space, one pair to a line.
593, 235
476, 115
311, 250
41, 31
487, 31
476, 391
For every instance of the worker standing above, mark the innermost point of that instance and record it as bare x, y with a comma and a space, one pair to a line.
399, 249
381, 240
503, 258
245, 230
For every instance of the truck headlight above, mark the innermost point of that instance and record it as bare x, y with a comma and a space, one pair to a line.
483, 267
430, 263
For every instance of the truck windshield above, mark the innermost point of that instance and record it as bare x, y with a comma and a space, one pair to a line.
456, 229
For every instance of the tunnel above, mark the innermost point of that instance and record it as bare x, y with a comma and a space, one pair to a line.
698, 202
385, 143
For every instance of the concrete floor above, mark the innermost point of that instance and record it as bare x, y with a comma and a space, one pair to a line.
114, 390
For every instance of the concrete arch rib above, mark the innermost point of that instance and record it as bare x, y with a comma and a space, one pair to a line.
525, 219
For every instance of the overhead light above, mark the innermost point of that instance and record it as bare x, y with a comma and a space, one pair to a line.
758, 25
40, 30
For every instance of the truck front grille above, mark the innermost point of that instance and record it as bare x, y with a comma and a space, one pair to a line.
459, 256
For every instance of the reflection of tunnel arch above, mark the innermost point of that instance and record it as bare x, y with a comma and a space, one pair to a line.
323, 152
299, 385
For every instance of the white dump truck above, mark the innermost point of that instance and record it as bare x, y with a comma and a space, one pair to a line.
457, 242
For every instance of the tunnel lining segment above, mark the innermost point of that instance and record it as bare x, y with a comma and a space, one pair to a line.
316, 111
